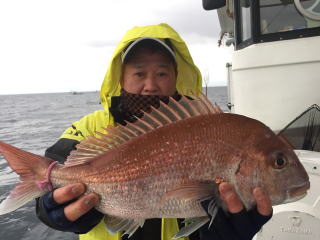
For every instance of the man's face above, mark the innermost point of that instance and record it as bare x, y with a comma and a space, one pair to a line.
149, 74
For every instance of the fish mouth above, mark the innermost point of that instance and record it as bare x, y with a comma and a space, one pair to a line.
297, 192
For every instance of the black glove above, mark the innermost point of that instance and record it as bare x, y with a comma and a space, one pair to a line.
233, 226
52, 214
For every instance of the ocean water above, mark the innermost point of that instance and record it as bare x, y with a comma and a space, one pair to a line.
34, 122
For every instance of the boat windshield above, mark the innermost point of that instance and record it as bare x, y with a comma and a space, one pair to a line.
284, 15
275, 20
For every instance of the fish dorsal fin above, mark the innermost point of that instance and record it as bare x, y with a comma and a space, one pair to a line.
175, 110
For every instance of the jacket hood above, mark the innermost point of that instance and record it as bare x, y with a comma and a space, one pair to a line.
188, 78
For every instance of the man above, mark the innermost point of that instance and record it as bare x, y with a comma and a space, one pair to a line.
149, 64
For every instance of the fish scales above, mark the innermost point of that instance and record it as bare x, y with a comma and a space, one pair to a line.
168, 162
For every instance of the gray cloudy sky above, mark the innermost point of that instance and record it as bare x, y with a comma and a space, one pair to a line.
66, 45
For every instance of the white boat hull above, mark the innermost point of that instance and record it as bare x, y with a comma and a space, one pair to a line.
276, 81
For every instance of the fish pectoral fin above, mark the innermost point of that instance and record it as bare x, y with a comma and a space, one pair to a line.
200, 191
192, 225
127, 226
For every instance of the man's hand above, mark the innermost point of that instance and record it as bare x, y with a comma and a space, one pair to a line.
80, 206
234, 204
237, 223
67, 209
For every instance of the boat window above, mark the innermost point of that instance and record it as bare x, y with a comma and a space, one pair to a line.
283, 15
245, 15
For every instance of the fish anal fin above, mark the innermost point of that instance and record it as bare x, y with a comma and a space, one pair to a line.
126, 226
191, 226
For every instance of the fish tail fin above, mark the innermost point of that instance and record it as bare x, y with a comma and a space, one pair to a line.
31, 169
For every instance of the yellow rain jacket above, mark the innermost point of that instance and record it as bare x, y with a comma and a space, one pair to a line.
188, 78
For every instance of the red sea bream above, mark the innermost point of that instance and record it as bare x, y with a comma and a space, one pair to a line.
165, 164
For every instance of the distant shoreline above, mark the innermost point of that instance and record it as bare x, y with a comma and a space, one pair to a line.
84, 92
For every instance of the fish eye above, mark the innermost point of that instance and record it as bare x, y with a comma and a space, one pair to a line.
280, 161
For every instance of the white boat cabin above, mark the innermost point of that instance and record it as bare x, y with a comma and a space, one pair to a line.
274, 77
